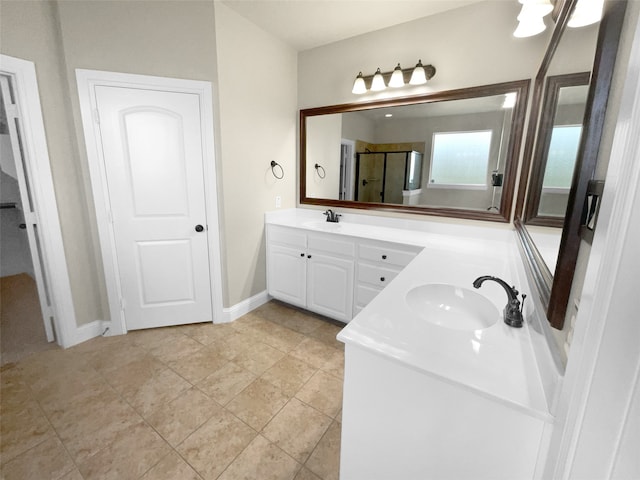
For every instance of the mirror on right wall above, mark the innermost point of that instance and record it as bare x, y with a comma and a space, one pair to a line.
566, 122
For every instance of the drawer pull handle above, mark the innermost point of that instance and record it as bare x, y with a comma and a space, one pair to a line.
382, 279
308, 256
302, 254
384, 257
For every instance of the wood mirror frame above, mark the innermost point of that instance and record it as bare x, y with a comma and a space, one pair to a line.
521, 87
554, 84
554, 291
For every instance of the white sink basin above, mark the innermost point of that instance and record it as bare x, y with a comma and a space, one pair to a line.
323, 225
452, 307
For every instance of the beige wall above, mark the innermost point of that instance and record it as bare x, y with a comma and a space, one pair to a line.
255, 118
258, 124
29, 30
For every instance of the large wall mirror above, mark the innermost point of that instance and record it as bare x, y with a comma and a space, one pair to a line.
563, 140
451, 153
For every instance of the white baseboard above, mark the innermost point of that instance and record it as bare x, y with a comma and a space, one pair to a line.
97, 327
87, 332
239, 309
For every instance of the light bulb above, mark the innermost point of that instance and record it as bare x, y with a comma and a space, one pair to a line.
509, 100
359, 87
377, 84
528, 27
586, 13
537, 8
397, 77
418, 76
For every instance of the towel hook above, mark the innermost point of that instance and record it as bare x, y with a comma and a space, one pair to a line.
275, 164
318, 168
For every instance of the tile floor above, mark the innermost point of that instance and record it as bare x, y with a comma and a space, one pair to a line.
259, 398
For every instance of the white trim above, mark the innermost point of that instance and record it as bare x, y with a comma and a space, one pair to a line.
87, 81
245, 306
607, 327
459, 186
411, 193
43, 194
91, 330
562, 190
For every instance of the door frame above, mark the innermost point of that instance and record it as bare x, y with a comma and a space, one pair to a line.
36, 153
87, 81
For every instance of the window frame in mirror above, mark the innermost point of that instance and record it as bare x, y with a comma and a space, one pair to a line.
554, 290
521, 87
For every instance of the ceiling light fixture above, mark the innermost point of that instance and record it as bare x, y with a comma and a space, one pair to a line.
399, 77
531, 17
586, 12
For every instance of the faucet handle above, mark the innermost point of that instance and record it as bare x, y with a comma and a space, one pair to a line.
524, 295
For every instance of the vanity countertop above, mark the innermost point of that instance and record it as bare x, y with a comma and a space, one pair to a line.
497, 361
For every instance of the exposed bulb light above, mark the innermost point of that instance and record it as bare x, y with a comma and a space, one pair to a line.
586, 13
377, 84
359, 87
530, 19
397, 77
529, 28
538, 8
418, 76
509, 100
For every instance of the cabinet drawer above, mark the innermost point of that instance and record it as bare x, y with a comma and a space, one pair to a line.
364, 294
331, 244
287, 236
389, 254
376, 275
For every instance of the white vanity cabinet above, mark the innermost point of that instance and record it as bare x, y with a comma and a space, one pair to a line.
287, 265
378, 263
311, 270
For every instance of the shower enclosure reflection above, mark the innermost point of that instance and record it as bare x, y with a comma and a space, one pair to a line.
388, 176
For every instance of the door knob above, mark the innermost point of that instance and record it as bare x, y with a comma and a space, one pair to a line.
199, 228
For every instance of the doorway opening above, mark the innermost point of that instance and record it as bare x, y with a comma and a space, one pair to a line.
25, 327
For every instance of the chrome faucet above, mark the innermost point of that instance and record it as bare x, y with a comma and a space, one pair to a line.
332, 216
512, 310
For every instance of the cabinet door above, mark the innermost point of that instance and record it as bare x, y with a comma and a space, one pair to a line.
330, 286
287, 274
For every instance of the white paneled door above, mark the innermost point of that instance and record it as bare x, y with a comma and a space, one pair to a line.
152, 147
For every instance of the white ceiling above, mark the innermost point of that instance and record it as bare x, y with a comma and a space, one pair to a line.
306, 24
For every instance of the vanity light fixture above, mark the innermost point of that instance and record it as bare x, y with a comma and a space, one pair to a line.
586, 13
531, 17
397, 78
